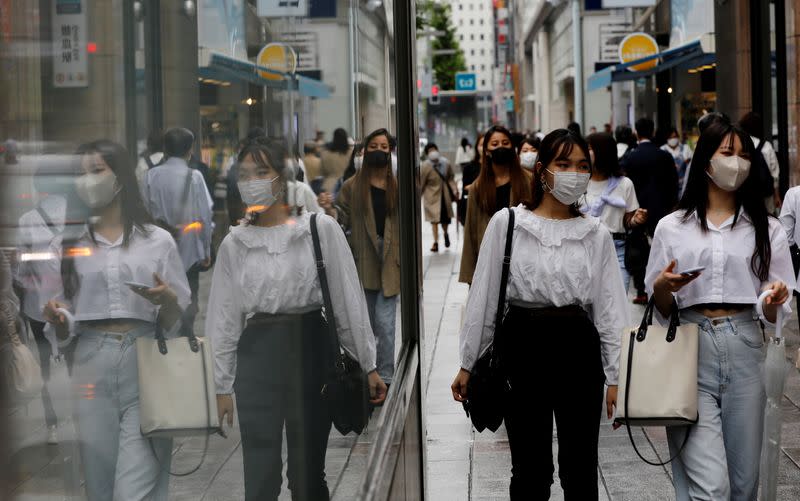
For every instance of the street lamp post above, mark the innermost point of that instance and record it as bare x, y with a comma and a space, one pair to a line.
577, 53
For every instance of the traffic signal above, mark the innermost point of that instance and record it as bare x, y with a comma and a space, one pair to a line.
435, 90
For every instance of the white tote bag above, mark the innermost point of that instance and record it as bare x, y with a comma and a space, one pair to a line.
177, 397
658, 375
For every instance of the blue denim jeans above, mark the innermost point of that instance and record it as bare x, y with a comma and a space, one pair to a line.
118, 461
721, 457
626, 278
382, 315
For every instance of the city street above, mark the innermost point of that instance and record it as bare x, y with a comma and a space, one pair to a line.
462, 464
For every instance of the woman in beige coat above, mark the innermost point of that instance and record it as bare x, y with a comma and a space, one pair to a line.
501, 183
367, 209
439, 191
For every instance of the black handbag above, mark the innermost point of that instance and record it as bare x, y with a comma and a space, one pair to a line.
347, 389
488, 387
637, 251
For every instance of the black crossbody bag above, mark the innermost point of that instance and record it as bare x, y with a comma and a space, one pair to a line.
346, 390
488, 386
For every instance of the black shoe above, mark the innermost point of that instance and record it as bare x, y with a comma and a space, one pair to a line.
435, 247
447, 240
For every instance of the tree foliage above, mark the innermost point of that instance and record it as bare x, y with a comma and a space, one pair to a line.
436, 16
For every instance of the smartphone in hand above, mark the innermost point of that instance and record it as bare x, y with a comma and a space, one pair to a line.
692, 271
138, 286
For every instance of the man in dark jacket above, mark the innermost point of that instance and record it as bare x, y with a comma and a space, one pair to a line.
655, 179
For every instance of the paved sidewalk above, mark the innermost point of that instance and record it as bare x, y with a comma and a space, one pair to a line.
466, 465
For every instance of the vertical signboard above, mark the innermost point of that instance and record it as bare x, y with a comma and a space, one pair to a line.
70, 57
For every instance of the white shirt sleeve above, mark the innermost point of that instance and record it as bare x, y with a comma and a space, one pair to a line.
631, 202
203, 204
659, 257
772, 161
788, 216
347, 295
477, 333
224, 319
609, 307
780, 267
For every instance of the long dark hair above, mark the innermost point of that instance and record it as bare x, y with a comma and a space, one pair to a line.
605, 154
484, 188
695, 197
132, 209
339, 144
557, 145
360, 181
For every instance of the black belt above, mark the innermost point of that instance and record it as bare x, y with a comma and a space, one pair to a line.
572, 311
619, 236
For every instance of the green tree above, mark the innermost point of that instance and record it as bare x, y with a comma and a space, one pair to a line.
436, 16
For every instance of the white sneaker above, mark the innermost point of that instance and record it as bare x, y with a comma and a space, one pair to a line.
52, 435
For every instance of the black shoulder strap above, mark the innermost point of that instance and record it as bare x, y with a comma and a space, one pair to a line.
323, 279
761, 145
147, 160
501, 302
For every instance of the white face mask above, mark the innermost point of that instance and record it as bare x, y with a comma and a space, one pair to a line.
97, 190
528, 159
258, 192
673, 142
568, 186
729, 173
433, 156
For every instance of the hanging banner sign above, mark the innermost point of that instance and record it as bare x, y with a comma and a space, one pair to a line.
636, 46
70, 55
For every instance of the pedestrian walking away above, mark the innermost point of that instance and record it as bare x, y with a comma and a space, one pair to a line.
121, 247
269, 336
566, 310
723, 233
501, 183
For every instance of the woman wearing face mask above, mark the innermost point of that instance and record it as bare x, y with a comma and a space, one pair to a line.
439, 191
367, 209
270, 341
611, 196
565, 301
120, 245
528, 150
722, 225
501, 183
681, 153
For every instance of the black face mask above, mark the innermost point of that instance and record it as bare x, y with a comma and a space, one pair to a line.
376, 158
502, 156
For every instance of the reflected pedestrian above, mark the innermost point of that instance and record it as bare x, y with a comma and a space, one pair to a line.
680, 152
118, 246
464, 153
367, 210
469, 174
271, 344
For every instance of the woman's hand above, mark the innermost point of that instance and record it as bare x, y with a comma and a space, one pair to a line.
58, 319
780, 294
224, 408
377, 388
638, 218
668, 283
459, 386
611, 400
161, 294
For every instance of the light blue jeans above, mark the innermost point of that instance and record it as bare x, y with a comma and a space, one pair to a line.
118, 461
382, 315
721, 457
626, 278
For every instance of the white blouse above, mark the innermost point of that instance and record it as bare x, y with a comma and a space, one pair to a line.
273, 270
104, 268
613, 216
553, 263
725, 252
790, 214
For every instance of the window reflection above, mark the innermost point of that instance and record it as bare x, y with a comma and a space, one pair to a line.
161, 182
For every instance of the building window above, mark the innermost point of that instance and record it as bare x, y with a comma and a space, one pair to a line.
483, 83
472, 52
461, 37
483, 52
483, 67
471, 22
481, 22
472, 37
481, 36
472, 67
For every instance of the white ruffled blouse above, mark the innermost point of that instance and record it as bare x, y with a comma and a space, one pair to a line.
553, 263
273, 270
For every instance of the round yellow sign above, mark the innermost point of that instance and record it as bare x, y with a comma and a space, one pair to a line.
276, 57
636, 46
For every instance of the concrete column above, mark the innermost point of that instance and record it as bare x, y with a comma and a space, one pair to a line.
792, 21
733, 57
180, 88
